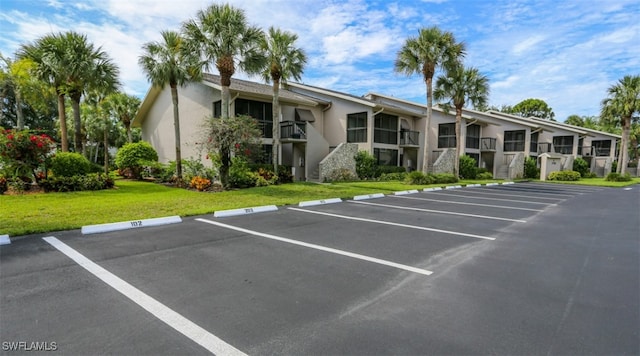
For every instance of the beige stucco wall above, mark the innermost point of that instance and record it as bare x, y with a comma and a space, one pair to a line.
194, 104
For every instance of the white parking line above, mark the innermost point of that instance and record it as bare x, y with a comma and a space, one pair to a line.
497, 199
189, 329
436, 211
510, 189
474, 204
394, 224
483, 191
319, 247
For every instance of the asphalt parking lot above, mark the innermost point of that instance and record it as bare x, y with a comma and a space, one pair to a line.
526, 268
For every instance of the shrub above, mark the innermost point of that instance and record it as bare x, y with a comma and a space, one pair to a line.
365, 165
3, 185
484, 175
380, 170
22, 153
581, 166
564, 176
617, 177
419, 178
200, 183
69, 164
591, 175
443, 178
239, 174
134, 156
92, 181
284, 172
531, 168
468, 167
341, 175
614, 166
385, 177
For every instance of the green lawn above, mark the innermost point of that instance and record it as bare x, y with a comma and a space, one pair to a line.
132, 200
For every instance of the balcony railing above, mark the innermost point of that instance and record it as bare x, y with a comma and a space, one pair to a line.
409, 138
544, 147
293, 130
487, 144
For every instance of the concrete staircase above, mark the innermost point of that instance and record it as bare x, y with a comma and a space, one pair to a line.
502, 172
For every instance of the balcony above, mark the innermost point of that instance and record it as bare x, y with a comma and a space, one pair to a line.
293, 131
544, 147
487, 144
409, 138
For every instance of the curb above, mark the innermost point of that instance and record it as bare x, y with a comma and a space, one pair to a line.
5, 240
125, 225
368, 196
319, 202
244, 211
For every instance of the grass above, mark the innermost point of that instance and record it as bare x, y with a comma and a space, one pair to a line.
598, 182
133, 200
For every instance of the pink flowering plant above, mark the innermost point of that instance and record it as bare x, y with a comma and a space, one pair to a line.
22, 154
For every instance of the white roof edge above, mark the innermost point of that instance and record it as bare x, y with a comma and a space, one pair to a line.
333, 93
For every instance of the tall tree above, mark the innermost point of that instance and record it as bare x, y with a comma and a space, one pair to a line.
623, 105
457, 87
533, 107
169, 62
430, 50
17, 75
124, 107
220, 34
284, 61
70, 63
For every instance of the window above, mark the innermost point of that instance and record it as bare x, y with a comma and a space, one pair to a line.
473, 136
385, 129
259, 111
533, 146
357, 127
446, 135
514, 141
602, 147
386, 157
563, 144
217, 108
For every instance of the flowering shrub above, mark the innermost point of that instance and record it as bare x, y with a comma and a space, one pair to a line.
23, 153
200, 183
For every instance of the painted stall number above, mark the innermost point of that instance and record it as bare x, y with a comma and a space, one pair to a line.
136, 223
248, 210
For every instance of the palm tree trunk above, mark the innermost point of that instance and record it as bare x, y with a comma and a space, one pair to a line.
77, 122
106, 144
427, 126
276, 125
64, 140
176, 126
129, 136
19, 113
456, 162
624, 150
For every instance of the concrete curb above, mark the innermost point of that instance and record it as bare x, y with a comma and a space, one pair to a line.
319, 202
368, 196
134, 224
244, 211
405, 192
5, 240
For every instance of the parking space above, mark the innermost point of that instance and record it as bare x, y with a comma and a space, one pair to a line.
499, 269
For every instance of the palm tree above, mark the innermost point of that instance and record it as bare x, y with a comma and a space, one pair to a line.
432, 49
124, 107
284, 61
170, 62
72, 65
220, 34
459, 86
622, 103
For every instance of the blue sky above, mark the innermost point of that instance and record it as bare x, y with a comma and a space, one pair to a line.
566, 53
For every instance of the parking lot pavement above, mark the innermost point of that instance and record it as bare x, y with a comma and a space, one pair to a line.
527, 268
